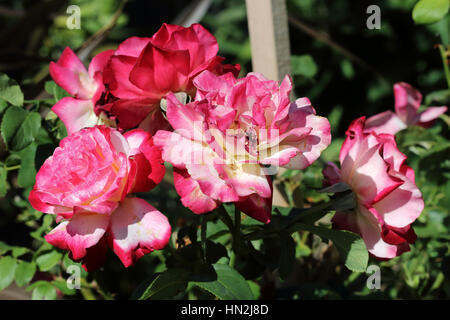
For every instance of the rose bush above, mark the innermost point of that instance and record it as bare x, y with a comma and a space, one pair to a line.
162, 166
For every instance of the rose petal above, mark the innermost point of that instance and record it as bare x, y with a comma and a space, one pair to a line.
75, 114
385, 122
430, 114
191, 194
407, 101
83, 231
136, 229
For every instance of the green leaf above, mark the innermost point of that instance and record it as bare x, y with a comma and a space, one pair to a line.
61, 131
56, 91
256, 289
430, 11
12, 119
287, 256
19, 128
25, 272
27, 132
42, 290
350, 245
62, 286
19, 251
165, 286
10, 91
4, 248
47, 261
8, 267
229, 285
3, 183
27, 171
3, 106
303, 66
440, 97
443, 29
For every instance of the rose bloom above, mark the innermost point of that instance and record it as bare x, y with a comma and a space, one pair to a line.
85, 183
142, 71
387, 199
270, 129
85, 86
407, 103
226, 138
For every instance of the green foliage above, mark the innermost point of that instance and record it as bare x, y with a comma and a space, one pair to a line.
47, 261
229, 285
19, 128
10, 91
350, 246
57, 92
430, 11
25, 272
297, 255
303, 66
165, 285
42, 290
8, 267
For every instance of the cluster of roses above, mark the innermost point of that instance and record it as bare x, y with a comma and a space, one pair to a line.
170, 98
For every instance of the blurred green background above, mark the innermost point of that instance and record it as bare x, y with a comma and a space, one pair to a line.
347, 75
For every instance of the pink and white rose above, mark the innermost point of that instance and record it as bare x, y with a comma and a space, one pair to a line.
271, 129
387, 199
85, 183
225, 139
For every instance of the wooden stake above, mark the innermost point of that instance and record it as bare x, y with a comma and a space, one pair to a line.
269, 37
271, 54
